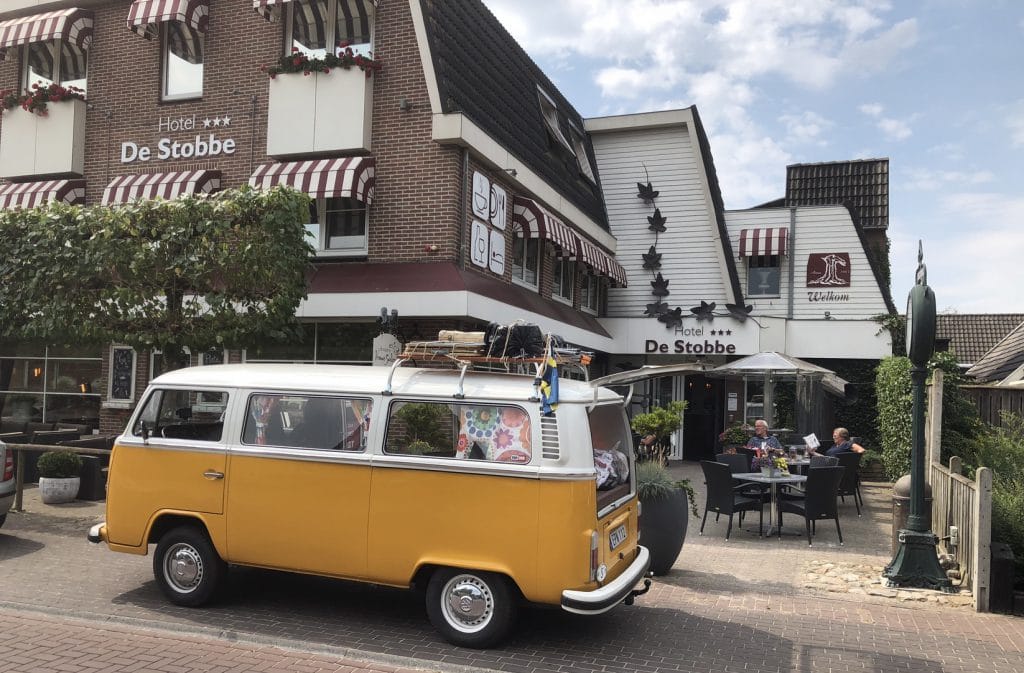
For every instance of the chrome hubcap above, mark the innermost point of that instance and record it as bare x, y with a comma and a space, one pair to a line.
468, 603
183, 568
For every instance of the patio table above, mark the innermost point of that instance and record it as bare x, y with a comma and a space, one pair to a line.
781, 478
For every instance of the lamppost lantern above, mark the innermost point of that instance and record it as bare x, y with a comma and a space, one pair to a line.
920, 316
916, 563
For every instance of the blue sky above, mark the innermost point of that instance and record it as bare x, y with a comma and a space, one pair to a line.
936, 86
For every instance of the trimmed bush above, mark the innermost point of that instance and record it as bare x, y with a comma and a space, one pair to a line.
895, 410
59, 465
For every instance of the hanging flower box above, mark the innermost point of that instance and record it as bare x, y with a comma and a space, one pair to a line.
319, 107
43, 144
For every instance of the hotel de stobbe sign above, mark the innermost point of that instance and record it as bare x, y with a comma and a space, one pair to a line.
723, 336
206, 143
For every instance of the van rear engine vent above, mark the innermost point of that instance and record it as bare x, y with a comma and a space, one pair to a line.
549, 437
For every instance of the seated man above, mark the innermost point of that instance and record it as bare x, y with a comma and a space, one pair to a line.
761, 439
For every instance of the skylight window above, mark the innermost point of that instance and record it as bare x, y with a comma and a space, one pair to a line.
580, 148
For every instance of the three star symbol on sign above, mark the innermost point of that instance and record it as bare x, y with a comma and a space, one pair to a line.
721, 332
217, 121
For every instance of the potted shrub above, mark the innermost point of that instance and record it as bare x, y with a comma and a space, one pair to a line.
734, 436
663, 513
58, 476
660, 423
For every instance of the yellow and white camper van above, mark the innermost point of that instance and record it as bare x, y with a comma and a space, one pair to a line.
453, 481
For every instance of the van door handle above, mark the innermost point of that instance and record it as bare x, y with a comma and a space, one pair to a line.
211, 474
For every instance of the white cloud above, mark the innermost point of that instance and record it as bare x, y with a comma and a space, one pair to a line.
894, 129
1015, 122
926, 179
972, 244
805, 128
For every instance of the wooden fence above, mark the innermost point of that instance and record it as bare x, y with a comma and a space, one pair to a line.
992, 400
961, 508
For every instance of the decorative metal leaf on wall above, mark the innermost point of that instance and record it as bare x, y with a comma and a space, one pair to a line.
741, 313
656, 309
646, 192
659, 286
673, 318
705, 311
656, 222
652, 260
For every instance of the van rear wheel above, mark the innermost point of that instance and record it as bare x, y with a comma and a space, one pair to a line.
187, 567
470, 608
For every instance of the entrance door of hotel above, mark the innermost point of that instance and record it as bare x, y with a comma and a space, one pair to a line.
703, 397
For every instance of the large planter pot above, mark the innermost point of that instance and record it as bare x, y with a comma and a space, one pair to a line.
663, 525
319, 113
54, 143
54, 491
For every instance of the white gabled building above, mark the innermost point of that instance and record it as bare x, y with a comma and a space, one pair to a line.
796, 280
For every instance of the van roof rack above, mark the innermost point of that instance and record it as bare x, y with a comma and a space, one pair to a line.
466, 355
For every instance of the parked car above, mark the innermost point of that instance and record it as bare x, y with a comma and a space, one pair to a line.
6, 481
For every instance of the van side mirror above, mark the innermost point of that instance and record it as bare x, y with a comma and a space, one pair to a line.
144, 431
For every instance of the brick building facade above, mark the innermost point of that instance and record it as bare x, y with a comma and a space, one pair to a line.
433, 135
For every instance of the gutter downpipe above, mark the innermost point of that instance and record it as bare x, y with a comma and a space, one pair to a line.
792, 265
462, 210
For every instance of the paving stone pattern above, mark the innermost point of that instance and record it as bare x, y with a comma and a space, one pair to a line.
742, 605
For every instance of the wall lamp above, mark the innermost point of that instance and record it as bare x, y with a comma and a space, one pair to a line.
404, 104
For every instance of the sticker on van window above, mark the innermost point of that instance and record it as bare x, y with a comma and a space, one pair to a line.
501, 434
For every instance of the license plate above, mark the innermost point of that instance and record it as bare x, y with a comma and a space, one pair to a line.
618, 536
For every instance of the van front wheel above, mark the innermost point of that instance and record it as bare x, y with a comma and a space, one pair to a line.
187, 567
470, 608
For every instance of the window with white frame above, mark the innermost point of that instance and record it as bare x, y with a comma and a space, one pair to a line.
580, 148
338, 227
549, 111
764, 274
54, 62
591, 289
183, 54
525, 259
564, 279
316, 25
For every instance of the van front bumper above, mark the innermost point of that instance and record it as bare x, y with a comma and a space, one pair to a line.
98, 533
618, 590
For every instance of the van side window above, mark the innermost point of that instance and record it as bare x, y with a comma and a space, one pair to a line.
184, 414
479, 432
307, 422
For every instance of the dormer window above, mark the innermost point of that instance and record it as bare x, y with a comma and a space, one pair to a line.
549, 111
316, 25
579, 146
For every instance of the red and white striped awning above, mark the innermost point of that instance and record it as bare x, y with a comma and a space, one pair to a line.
144, 15
72, 25
538, 222
763, 242
601, 262
348, 177
353, 13
126, 188
32, 194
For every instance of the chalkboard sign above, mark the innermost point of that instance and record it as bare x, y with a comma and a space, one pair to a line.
122, 374
213, 357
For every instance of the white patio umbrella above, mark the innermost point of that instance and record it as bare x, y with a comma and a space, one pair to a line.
772, 366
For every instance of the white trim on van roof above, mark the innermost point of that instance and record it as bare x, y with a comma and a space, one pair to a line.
357, 380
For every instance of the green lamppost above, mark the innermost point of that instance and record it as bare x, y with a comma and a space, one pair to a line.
916, 563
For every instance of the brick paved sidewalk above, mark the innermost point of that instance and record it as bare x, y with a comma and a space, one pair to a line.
38, 643
850, 571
